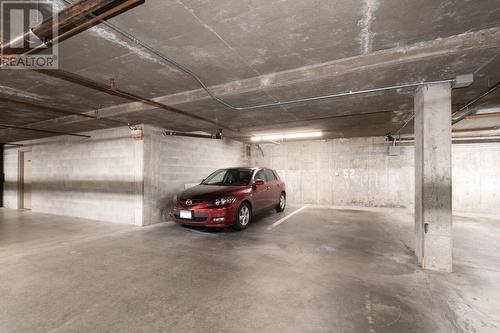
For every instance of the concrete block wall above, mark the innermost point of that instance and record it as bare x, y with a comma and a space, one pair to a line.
476, 177
111, 177
359, 171
11, 171
173, 162
341, 172
97, 178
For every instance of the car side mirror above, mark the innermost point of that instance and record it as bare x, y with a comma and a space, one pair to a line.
258, 182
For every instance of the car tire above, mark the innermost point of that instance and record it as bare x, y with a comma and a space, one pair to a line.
281, 203
243, 217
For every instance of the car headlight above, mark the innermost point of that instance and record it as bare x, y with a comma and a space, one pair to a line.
225, 201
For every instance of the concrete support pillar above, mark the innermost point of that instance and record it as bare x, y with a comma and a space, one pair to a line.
433, 210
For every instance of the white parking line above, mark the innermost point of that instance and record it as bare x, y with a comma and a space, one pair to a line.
277, 223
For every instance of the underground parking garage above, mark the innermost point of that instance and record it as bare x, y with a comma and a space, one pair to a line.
215, 166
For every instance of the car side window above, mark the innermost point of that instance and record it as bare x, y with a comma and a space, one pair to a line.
260, 175
270, 177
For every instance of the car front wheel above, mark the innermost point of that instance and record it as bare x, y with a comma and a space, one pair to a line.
244, 216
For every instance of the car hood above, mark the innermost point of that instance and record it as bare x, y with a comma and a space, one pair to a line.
208, 191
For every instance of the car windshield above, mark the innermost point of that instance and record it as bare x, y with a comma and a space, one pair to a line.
229, 177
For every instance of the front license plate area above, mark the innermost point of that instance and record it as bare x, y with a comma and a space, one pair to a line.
186, 214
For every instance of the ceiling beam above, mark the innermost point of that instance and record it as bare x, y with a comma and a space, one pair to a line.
474, 41
115, 91
49, 109
41, 130
385, 59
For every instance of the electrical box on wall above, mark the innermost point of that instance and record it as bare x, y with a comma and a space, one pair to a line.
394, 150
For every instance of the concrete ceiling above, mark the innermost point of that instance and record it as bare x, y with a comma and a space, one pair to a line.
262, 51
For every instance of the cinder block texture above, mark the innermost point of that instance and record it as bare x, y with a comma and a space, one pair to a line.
171, 162
111, 177
11, 172
358, 171
342, 172
98, 178
88, 178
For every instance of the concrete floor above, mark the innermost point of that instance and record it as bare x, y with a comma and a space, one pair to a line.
322, 270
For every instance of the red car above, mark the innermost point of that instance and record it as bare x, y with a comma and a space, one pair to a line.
230, 197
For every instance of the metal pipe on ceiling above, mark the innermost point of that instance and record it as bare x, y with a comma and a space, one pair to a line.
13, 144
480, 137
66, 23
204, 86
86, 82
334, 117
41, 107
404, 124
98, 18
344, 94
42, 130
460, 117
461, 139
165, 58
483, 116
478, 129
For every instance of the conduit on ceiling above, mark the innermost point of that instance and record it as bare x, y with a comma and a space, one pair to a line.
68, 22
464, 139
42, 130
464, 111
204, 86
98, 86
45, 108
461, 114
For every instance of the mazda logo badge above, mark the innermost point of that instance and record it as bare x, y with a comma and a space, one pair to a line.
189, 202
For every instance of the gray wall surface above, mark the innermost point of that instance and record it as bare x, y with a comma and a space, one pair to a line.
476, 177
359, 172
111, 177
174, 162
98, 178
11, 172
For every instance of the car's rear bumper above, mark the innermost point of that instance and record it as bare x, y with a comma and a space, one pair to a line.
206, 217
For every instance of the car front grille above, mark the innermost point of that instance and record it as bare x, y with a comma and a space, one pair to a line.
194, 202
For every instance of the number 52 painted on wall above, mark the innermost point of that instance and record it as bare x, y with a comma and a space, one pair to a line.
349, 173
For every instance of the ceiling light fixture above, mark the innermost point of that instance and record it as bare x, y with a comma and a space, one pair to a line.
281, 137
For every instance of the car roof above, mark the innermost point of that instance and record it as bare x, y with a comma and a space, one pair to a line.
250, 168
